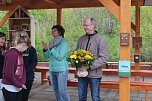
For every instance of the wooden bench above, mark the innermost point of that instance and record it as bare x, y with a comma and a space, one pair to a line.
134, 85
43, 71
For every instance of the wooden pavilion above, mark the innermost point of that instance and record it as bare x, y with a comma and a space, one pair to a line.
119, 8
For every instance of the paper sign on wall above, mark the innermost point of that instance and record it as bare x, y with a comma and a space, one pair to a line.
124, 68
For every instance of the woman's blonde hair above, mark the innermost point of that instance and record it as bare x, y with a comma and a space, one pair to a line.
20, 36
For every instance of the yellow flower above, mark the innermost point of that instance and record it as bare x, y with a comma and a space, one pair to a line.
87, 57
73, 56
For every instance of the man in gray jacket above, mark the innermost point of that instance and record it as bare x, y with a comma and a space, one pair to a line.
93, 42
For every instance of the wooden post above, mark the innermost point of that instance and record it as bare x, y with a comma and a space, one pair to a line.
125, 27
59, 16
137, 33
122, 13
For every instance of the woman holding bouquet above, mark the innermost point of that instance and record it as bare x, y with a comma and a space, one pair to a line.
58, 65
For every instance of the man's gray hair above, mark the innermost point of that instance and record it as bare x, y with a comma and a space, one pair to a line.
93, 21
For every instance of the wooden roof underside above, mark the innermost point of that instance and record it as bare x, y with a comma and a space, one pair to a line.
52, 4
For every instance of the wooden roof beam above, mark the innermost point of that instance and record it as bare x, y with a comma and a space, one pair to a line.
49, 1
56, 1
89, 1
45, 5
77, 1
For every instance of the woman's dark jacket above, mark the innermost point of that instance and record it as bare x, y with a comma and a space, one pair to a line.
30, 62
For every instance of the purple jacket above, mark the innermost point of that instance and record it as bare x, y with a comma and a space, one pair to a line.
13, 69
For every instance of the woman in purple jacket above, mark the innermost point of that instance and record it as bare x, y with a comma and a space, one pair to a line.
14, 75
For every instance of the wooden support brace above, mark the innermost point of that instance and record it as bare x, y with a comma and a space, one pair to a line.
5, 18
114, 9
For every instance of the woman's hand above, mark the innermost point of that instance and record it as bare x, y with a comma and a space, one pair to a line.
51, 44
44, 45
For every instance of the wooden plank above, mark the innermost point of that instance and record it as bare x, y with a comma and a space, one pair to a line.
110, 84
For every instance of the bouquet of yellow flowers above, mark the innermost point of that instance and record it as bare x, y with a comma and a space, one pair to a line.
80, 58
